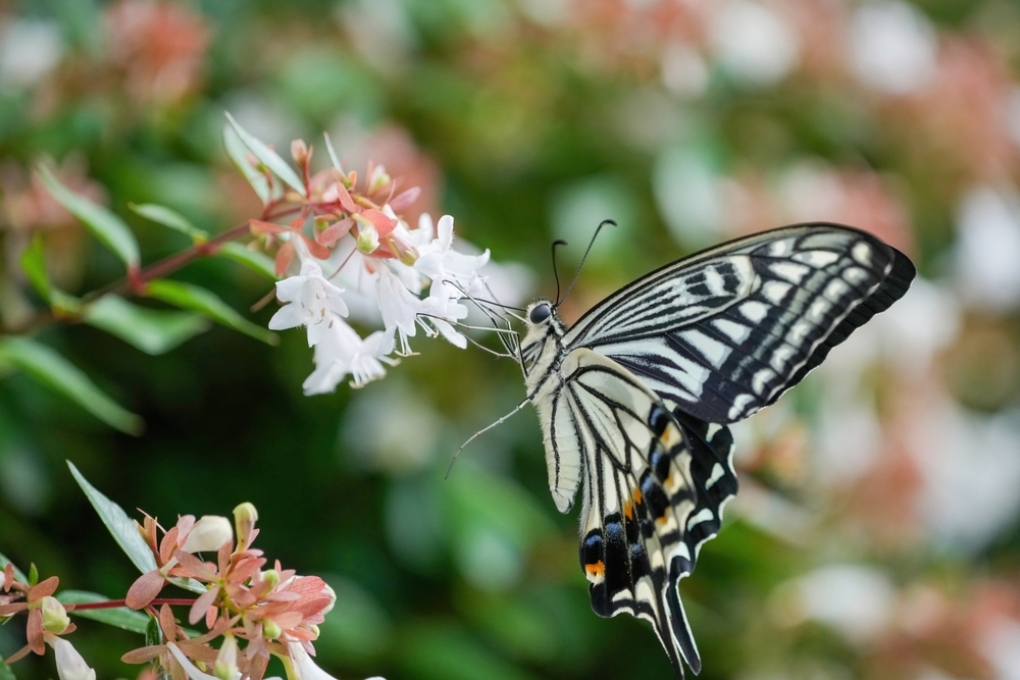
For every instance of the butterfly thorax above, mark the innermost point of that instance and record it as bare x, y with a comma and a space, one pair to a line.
542, 347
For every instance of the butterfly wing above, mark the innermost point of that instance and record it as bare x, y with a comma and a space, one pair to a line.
726, 331
654, 489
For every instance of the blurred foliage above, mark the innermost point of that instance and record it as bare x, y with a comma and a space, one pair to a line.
527, 120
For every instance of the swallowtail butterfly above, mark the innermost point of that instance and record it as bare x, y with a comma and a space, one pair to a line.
634, 398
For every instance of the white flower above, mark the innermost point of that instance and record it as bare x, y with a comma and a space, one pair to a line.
399, 307
341, 352
305, 668
312, 301
192, 670
209, 534
70, 664
454, 276
438, 262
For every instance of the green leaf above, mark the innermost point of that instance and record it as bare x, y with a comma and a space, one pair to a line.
170, 218
6, 671
238, 154
153, 635
18, 574
268, 157
123, 528
253, 259
119, 617
107, 227
33, 262
187, 296
50, 368
151, 330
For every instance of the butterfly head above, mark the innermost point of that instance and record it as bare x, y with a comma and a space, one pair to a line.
544, 330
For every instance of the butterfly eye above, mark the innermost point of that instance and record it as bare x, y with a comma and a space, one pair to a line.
540, 313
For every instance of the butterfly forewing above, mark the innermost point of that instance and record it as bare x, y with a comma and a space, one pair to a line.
725, 332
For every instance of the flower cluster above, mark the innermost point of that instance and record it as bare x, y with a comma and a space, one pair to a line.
47, 621
258, 612
346, 242
274, 611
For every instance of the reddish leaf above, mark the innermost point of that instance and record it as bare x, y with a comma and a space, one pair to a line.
144, 590
283, 258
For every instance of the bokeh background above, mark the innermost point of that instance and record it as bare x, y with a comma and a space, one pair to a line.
875, 535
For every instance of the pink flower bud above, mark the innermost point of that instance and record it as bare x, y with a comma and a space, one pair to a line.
208, 535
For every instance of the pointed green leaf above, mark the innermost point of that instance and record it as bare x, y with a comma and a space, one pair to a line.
197, 299
123, 528
170, 218
238, 154
253, 259
268, 157
18, 574
50, 368
106, 226
153, 331
6, 671
119, 617
33, 262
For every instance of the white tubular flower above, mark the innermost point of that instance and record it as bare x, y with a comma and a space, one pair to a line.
208, 535
441, 264
398, 306
341, 352
70, 664
312, 301
225, 667
305, 668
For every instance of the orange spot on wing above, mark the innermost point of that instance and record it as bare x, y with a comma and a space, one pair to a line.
637, 495
595, 570
628, 510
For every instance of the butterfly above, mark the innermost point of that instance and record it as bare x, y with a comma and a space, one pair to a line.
634, 398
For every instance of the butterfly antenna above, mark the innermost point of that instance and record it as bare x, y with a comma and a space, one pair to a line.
480, 433
556, 274
583, 258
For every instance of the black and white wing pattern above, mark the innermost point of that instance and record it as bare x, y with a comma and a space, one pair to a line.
725, 332
653, 491
634, 398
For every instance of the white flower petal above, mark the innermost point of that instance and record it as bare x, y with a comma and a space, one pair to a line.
288, 316
70, 664
209, 534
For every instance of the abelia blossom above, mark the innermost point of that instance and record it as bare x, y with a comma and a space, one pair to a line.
359, 238
311, 301
70, 664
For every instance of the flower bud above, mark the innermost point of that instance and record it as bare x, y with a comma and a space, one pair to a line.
270, 629
226, 660
54, 616
271, 576
70, 664
208, 534
245, 516
299, 152
368, 235
379, 179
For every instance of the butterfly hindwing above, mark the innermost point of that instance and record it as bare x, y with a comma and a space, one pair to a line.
725, 332
653, 493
